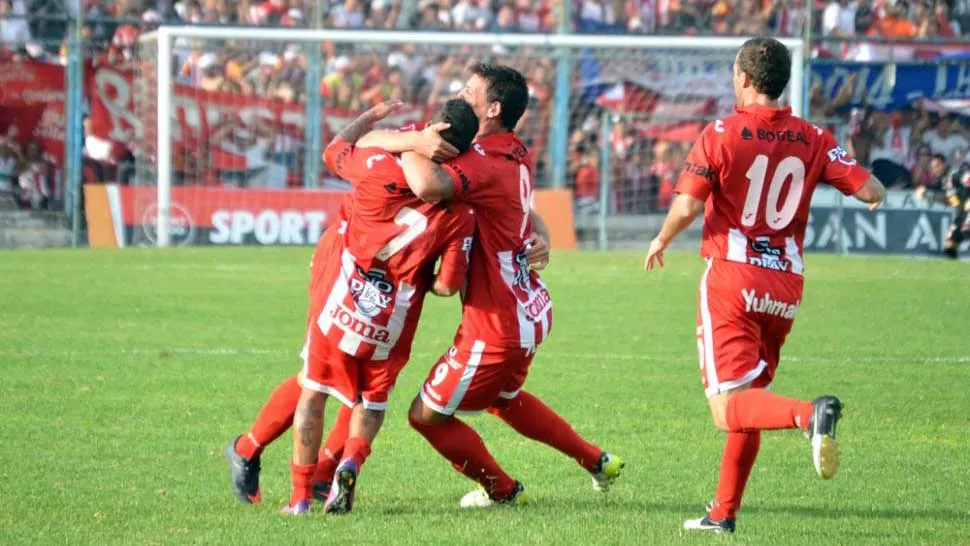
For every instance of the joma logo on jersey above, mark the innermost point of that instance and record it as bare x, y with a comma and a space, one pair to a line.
699, 170
839, 154
768, 306
538, 304
371, 292
352, 324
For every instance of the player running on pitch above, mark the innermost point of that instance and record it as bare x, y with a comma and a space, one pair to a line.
753, 175
507, 310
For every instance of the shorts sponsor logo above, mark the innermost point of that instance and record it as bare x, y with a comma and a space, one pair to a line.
765, 304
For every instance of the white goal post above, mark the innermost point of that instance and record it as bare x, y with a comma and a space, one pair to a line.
166, 37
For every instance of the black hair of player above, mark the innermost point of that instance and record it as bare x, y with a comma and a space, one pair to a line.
939, 157
506, 86
768, 63
463, 123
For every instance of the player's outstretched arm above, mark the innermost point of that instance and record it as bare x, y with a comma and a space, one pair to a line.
683, 211
429, 181
872, 192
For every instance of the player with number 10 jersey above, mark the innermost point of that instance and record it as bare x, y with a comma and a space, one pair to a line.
753, 174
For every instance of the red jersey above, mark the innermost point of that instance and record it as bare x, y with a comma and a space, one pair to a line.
506, 303
756, 171
390, 241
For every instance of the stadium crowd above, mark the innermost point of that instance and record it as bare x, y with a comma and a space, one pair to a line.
899, 145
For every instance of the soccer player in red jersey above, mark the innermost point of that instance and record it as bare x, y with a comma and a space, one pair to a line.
752, 174
368, 281
507, 309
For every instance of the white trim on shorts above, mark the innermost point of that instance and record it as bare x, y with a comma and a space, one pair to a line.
373, 406
706, 348
746, 379
707, 334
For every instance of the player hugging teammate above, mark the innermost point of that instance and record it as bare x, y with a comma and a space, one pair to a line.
410, 203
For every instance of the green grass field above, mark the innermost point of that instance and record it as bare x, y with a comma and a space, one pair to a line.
125, 374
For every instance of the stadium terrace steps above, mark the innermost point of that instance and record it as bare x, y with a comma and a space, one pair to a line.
33, 229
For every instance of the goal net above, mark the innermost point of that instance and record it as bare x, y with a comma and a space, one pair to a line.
231, 121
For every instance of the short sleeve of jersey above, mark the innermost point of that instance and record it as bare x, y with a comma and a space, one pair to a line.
455, 258
839, 169
358, 164
703, 163
459, 169
344, 160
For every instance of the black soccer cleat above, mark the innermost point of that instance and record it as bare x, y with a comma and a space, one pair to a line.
243, 475
821, 431
726, 525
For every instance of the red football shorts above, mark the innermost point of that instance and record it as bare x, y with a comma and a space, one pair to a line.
326, 368
472, 377
743, 317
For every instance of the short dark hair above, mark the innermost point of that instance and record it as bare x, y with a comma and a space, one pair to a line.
464, 123
508, 87
768, 63
941, 157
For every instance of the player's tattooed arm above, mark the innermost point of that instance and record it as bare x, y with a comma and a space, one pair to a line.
427, 142
428, 180
354, 130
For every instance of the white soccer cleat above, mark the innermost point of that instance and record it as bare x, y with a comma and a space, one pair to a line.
480, 498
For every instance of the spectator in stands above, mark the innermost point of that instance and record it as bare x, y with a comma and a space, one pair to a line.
10, 160
14, 30
943, 139
34, 180
890, 151
839, 19
923, 167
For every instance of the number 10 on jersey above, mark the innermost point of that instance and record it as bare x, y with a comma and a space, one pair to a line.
776, 217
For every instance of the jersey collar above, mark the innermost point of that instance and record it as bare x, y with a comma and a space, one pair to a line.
764, 111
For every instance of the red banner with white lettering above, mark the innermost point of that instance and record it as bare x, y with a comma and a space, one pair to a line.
126, 215
32, 105
207, 124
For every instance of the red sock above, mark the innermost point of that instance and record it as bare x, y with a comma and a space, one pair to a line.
273, 420
333, 447
356, 449
461, 445
740, 453
758, 409
531, 418
301, 476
